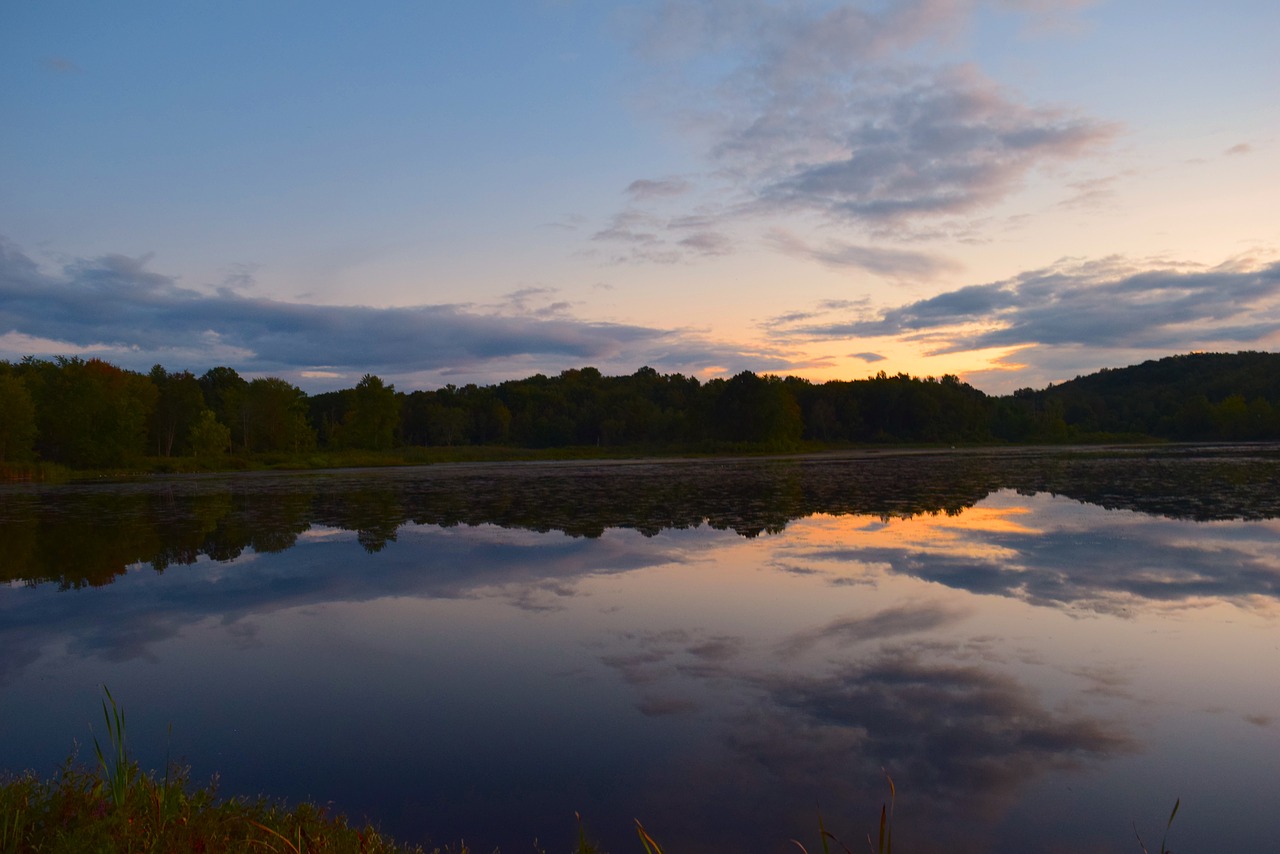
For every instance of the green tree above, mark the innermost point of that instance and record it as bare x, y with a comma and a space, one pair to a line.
759, 410
373, 416
224, 391
89, 413
274, 413
17, 419
208, 436
179, 403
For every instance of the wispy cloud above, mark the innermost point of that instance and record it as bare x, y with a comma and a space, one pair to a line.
647, 188
913, 145
879, 626
827, 109
895, 264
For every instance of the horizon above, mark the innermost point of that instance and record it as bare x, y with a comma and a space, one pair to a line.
1015, 192
333, 389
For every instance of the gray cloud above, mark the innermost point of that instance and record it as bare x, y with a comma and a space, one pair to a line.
647, 188
887, 623
650, 238
1126, 561
1075, 310
117, 307
996, 735
924, 144
899, 264
824, 108
708, 243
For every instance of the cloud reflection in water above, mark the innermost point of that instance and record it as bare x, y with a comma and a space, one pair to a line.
982, 644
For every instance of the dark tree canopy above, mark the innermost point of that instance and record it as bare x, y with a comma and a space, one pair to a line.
89, 413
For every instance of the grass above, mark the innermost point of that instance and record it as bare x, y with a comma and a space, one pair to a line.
77, 811
117, 807
1168, 824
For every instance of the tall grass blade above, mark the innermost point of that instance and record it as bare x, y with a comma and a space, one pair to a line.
118, 771
280, 836
584, 847
1177, 803
1163, 850
884, 843
650, 845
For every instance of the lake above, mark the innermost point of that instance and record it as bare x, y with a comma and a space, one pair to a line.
1043, 649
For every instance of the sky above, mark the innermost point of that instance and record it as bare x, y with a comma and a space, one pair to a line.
1016, 192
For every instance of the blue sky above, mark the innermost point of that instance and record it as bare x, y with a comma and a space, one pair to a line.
1015, 191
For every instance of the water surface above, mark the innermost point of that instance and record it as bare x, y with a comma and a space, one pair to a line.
1041, 648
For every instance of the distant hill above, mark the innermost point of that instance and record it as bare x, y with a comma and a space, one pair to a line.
1198, 396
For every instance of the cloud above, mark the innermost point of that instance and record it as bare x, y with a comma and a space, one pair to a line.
708, 243
1081, 310
1129, 560
630, 227
996, 735
651, 238
920, 145
117, 307
897, 264
827, 109
867, 357
1240, 148
1090, 193
887, 623
644, 188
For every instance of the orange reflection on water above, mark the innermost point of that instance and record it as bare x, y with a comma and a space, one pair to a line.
926, 533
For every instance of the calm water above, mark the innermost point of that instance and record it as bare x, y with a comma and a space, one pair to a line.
1041, 649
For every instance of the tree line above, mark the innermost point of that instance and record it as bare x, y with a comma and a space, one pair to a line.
92, 414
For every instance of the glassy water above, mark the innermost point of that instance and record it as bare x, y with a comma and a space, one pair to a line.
1041, 649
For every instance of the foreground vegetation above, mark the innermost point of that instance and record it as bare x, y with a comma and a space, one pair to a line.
117, 807
77, 811
91, 415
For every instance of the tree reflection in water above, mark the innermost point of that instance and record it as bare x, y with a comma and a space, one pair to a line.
940, 615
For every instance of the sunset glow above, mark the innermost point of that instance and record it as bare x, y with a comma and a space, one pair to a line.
1014, 192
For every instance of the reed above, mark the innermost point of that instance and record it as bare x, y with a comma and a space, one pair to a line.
118, 772
1163, 850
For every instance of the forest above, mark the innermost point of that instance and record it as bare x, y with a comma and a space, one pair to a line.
90, 414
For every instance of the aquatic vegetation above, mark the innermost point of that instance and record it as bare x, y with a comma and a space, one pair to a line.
1168, 824
884, 840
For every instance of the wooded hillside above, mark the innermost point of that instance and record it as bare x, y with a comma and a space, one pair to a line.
92, 414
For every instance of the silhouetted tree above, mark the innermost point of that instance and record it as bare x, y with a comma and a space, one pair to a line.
179, 403
208, 436
224, 391
17, 418
89, 413
373, 416
275, 417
